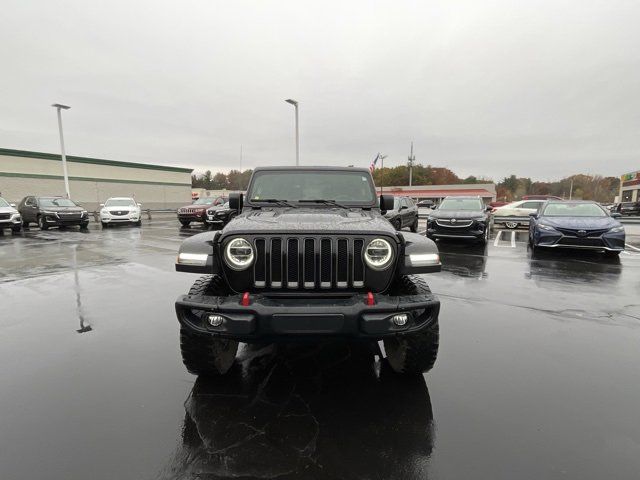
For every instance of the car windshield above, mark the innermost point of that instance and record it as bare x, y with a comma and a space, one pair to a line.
56, 202
4, 203
339, 185
573, 210
120, 202
204, 201
461, 204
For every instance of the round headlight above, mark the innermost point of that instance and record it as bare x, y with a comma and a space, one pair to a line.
378, 254
238, 254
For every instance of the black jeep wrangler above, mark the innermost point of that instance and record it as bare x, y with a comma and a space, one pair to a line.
309, 256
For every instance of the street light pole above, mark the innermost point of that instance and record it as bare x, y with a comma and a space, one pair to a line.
295, 104
412, 159
59, 107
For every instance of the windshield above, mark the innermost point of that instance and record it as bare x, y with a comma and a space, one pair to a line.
3, 203
120, 202
56, 202
573, 210
339, 185
204, 201
461, 204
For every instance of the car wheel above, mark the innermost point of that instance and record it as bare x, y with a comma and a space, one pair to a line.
415, 353
84, 226
397, 224
25, 224
16, 228
414, 227
511, 225
138, 223
206, 354
42, 224
185, 223
611, 254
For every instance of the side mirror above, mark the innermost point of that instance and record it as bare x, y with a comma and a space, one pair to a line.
386, 202
616, 215
488, 208
534, 214
235, 201
433, 207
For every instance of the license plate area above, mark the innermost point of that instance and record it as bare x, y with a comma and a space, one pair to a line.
321, 323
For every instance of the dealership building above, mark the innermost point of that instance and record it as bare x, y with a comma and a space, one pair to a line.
92, 180
486, 191
630, 187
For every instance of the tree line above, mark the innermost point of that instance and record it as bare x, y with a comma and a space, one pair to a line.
586, 187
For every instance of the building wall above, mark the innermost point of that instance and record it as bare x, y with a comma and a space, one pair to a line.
630, 187
92, 181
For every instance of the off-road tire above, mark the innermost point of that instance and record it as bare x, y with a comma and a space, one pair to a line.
206, 354
185, 223
415, 353
16, 228
42, 224
414, 226
397, 224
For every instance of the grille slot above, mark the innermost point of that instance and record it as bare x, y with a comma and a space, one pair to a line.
292, 263
260, 267
325, 263
309, 263
358, 263
276, 263
342, 263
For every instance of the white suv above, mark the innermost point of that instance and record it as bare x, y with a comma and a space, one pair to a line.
120, 210
9, 216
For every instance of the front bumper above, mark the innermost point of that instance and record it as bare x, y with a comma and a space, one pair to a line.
119, 218
11, 221
475, 231
613, 242
289, 318
192, 217
510, 219
62, 221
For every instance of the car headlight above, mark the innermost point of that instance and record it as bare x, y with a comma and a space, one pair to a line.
616, 229
238, 254
49, 212
547, 228
84, 212
378, 254
15, 216
480, 219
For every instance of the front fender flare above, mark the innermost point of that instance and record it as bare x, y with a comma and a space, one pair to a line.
420, 255
197, 255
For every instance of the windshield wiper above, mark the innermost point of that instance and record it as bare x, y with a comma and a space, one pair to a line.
275, 201
326, 202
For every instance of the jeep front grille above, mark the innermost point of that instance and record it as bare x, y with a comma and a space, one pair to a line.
301, 263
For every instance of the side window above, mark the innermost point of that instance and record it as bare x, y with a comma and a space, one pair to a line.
30, 201
403, 202
409, 202
531, 205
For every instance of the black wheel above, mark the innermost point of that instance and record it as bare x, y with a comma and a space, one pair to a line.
397, 224
84, 226
104, 224
25, 224
205, 354
414, 353
185, 223
414, 226
42, 224
16, 228
138, 223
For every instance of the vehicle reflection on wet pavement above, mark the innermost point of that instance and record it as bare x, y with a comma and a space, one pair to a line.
306, 411
537, 375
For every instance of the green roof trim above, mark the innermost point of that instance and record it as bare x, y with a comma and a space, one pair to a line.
91, 179
93, 161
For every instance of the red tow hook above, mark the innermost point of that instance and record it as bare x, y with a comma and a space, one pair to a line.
370, 300
245, 299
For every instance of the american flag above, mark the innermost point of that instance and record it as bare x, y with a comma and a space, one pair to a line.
372, 167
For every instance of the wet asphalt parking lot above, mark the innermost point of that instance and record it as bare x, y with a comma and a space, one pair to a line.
538, 373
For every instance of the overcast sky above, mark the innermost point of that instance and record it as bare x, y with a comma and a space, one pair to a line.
537, 88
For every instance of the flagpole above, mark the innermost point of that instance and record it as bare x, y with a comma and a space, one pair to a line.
381, 168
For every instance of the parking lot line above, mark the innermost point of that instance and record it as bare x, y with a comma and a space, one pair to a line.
495, 243
632, 247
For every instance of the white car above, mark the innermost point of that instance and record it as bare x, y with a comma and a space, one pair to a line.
515, 214
9, 216
120, 210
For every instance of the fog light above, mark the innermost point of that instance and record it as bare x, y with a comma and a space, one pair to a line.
400, 319
215, 320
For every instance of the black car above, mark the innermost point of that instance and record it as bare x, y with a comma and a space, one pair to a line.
576, 225
52, 212
460, 217
403, 214
308, 257
629, 208
220, 215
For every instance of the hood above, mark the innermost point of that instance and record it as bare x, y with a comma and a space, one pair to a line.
459, 214
218, 207
580, 223
8, 210
197, 207
62, 209
127, 208
294, 220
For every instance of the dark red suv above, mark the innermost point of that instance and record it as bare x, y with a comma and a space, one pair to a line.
197, 211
